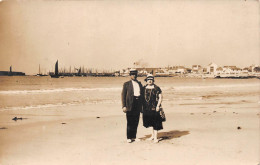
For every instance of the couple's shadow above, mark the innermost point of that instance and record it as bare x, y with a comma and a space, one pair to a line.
168, 135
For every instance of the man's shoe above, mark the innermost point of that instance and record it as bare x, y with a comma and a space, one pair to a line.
129, 141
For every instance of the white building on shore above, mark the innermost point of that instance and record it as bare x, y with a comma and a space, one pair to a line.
212, 68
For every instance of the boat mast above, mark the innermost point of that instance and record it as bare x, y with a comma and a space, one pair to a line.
56, 68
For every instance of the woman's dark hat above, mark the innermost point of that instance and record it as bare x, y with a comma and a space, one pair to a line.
149, 77
133, 72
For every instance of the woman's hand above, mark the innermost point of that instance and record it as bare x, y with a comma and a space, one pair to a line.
157, 109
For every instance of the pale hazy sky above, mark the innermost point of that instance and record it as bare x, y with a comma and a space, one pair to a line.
115, 34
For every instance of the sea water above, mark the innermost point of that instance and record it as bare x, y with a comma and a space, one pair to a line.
32, 92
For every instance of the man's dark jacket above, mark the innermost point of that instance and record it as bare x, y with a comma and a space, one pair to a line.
127, 95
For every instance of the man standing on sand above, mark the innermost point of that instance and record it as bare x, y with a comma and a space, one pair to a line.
132, 104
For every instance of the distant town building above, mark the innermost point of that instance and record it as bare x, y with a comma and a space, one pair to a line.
256, 69
231, 70
219, 71
245, 70
210, 71
212, 68
252, 68
196, 69
145, 71
179, 69
162, 72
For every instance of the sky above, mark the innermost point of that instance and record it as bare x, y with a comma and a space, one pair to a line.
115, 34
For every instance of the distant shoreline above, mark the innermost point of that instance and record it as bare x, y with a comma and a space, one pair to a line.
174, 77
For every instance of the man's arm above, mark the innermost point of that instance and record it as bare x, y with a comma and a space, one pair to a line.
123, 97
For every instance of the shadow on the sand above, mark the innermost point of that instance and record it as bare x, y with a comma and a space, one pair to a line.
168, 135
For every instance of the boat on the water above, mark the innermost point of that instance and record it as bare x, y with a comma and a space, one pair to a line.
40, 74
56, 73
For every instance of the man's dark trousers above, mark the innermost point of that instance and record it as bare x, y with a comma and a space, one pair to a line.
132, 118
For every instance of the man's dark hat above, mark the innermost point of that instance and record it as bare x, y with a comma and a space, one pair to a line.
133, 72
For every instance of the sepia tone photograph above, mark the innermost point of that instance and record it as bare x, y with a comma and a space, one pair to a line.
112, 82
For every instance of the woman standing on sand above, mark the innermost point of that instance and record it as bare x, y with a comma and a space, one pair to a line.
152, 104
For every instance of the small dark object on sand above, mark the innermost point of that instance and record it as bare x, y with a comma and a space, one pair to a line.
214, 111
98, 117
238, 127
63, 123
3, 128
18, 118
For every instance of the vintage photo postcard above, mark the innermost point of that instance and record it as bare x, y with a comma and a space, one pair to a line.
143, 82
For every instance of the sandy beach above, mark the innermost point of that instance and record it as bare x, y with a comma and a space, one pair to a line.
197, 132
